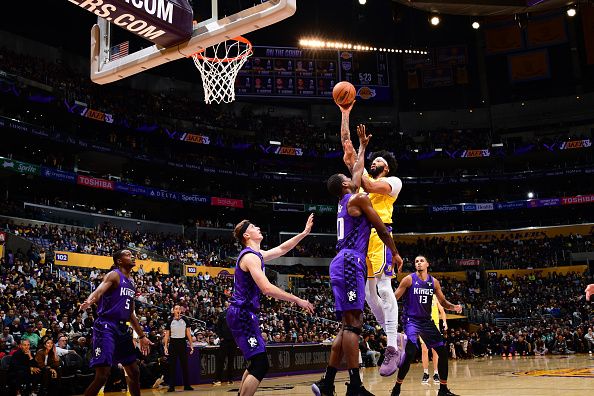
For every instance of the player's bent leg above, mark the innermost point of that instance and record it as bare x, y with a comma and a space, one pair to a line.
133, 378
410, 352
351, 330
101, 377
257, 369
374, 302
392, 355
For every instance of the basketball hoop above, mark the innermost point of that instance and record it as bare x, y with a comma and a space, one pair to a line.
218, 65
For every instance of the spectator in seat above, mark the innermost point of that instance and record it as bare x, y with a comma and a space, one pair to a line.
49, 363
7, 341
589, 337
23, 371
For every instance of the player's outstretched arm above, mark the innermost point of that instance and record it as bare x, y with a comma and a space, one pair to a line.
111, 279
349, 157
404, 284
143, 340
441, 298
364, 203
359, 167
251, 263
589, 291
286, 246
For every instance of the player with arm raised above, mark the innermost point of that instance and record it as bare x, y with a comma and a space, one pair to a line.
420, 288
112, 338
348, 271
250, 281
383, 188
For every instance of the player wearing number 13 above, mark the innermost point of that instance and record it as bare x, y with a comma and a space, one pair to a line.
348, 271
420, 287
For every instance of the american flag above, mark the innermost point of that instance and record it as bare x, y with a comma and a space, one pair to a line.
119, 51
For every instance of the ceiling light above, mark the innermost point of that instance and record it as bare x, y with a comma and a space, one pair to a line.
434, 20
362, 2
530, 195
571, 11
476, 25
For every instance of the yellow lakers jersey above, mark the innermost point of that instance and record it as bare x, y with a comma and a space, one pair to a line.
434, 311
383, 204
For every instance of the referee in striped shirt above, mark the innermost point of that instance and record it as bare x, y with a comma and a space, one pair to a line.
177, 331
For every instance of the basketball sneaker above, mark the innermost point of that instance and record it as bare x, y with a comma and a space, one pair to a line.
436, 378
446, 392
390, 363
322, 388
357, 391
425, 380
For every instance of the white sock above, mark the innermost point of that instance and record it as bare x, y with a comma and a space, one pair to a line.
426, 371
435, 372
390, 309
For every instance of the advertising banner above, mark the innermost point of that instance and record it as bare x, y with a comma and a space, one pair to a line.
477, 207
194, 270
575, 144
94, 182
20, 167
481, 236
60, 175
475, 153
580, 199
228, 202
105, 262
445, 208
468, 262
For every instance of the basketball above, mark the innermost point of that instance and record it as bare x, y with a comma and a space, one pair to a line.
344, 93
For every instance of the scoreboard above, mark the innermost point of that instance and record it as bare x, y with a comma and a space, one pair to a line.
303, 73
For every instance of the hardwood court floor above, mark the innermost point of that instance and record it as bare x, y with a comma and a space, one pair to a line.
553, 375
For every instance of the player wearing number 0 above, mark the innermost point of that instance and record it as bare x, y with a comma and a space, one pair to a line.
383, 188
112, 339
348, 271
420, 288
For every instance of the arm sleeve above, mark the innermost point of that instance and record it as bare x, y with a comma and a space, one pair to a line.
396, 185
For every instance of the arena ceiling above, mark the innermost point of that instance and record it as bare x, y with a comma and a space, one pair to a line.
485, 7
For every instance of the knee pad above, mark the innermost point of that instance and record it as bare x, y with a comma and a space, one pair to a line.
259, 366
352, 329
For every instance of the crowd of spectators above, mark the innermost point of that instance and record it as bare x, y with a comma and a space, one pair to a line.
176, 111
533, 314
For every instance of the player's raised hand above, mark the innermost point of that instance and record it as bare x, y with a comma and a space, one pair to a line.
458, 308
309, 224
145, 344
350, 157
346, 109
397, 262
306, 305
589, 291
363, 137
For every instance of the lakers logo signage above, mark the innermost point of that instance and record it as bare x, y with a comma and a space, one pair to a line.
584, 372
164, 22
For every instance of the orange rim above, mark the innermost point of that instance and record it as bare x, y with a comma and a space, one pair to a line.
240, 39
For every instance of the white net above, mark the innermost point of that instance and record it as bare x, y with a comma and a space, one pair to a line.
218, 66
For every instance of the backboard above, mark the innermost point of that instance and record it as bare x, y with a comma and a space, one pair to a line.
205, 33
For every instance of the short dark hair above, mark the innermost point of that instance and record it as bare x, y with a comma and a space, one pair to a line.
118, 255
237, 232
392, 163
334, 184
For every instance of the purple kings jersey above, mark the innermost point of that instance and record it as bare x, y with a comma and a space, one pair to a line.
352, 232
246, 293
419, 298
116, 304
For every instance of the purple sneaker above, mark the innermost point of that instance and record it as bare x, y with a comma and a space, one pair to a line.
390, 363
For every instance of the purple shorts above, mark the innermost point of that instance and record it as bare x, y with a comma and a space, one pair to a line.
245, 327
348, 274
413, 328
112, 344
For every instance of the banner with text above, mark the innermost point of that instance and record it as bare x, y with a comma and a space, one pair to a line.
105, 262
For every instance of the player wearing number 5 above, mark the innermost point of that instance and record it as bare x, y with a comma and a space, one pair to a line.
112, 338
420, 287
348, 271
